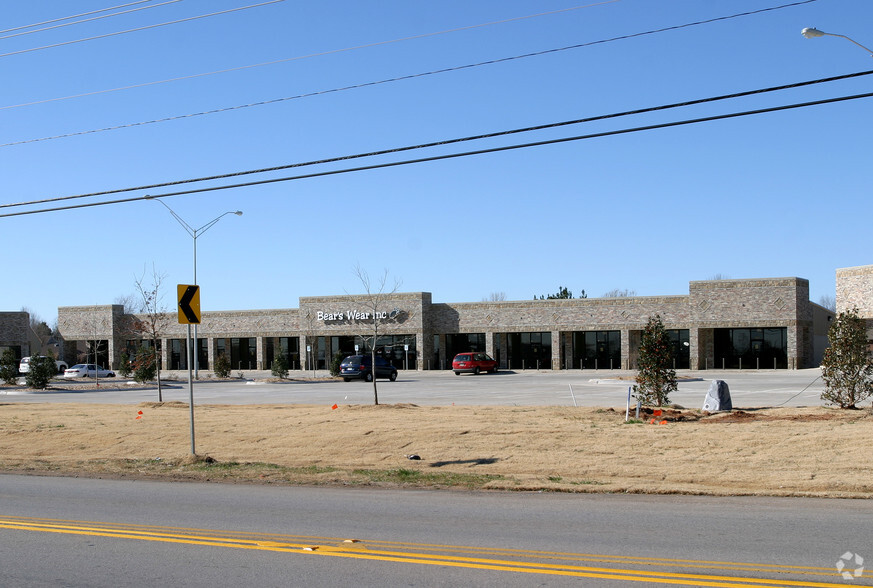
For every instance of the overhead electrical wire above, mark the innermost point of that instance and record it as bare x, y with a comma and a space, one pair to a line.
45, 22
154, 26
390, 80
307, 56
69, 24
453, 155
444, 142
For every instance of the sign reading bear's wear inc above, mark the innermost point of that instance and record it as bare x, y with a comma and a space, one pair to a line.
355, 315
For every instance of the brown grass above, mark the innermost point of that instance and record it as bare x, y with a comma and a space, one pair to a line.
784, 452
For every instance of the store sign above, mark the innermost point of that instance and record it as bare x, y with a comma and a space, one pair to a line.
355, 315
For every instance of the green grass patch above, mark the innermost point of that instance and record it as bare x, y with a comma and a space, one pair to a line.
412, 477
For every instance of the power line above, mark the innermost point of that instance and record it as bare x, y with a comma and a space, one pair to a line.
154, 26
69, 24
307, 56
454, 155
45, 22
395, 79
456, 140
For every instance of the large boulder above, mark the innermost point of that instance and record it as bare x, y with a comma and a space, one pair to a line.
718, 397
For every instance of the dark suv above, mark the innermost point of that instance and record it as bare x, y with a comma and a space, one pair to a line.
360, 366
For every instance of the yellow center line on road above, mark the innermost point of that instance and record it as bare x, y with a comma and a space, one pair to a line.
363, 550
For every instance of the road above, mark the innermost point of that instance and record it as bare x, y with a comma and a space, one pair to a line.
748, 388
80, 532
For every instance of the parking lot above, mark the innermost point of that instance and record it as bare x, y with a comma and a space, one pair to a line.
605, 388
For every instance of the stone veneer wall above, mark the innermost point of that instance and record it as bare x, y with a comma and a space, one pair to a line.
14, 330
776, 302
855, 290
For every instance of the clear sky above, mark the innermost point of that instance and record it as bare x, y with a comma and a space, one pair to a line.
771, 195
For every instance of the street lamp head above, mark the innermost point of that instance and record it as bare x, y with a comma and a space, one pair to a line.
812, 33
238, 213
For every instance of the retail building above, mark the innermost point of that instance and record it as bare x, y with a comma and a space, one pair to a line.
720, 324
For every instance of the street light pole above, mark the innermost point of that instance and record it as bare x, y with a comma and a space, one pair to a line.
812, 33
194, 233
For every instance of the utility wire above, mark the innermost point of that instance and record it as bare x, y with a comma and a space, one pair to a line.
154, 26
453, 155
389, 80
308, 56
453, 141
783, 403
63, 18
68, 24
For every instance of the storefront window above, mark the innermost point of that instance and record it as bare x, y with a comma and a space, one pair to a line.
597, 350
529, 350
757, 348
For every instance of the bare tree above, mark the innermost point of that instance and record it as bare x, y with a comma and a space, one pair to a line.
40, 332
720, 276
310, 340
128, 301
828, 302
619, 293
156, 319
378, 318
495, 297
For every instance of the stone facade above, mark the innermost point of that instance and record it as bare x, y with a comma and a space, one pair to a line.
14, 332
855, 290
708, 307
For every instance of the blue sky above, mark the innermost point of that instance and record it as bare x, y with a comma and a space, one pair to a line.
770, 195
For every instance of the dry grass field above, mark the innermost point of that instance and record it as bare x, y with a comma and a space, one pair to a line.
769, 451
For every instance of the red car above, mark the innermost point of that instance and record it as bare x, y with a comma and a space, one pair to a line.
473, 362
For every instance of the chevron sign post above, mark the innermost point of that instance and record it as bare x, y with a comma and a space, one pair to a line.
189, 304
189, 314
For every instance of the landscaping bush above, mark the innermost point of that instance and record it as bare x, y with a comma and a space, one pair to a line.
124, 368
8, 367
335, 364
42, 370
222, 366
847, 368
280, 366
144, 368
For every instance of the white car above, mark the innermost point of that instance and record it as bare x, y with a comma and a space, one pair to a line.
88, 370
24, 366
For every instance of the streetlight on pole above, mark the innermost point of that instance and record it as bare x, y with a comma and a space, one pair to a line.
194, 234
812, 33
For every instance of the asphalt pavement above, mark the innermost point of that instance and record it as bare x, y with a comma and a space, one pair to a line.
607, 388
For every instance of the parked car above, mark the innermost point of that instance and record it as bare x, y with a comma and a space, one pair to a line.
88, 370
360, 367
473, 362
24, 366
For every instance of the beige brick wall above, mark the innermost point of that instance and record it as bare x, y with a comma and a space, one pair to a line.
855, 290
776, 302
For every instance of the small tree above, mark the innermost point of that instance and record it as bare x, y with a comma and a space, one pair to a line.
8, 367
847, 368
156, 320
280, 365
335, 363
375, 300
655, 378
144, 365
222, 366
124, 364
41, 371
